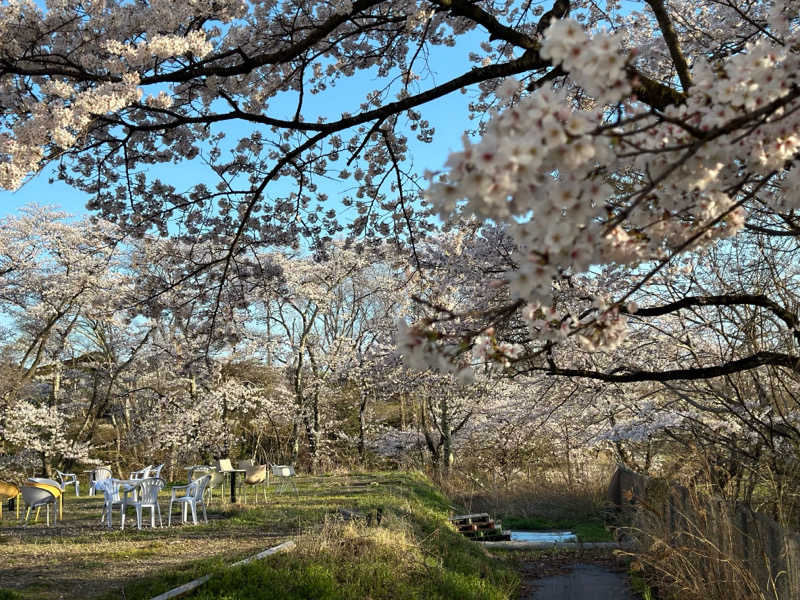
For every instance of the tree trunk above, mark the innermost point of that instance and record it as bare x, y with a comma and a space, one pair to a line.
294, 442
447, 438
47, 467
434, 446
362, 427
313, 433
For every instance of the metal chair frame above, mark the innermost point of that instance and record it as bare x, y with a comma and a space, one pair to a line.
285, 474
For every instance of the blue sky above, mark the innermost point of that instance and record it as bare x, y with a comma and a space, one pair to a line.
448, 115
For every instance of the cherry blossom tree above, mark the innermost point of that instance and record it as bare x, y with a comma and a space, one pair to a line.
61, 283
626, 200
327, 320
610, 137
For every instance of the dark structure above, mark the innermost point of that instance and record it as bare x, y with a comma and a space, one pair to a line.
559, 11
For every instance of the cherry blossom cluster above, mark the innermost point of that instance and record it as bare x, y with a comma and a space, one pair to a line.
596, 64
601, 327
542, 164
157, 47
421, 351
37, 427
57, 123
487, 349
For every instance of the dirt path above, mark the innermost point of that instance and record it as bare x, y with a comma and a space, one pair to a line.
567, 575
583, 582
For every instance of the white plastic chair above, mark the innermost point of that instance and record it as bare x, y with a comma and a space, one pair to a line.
147, 498
36, 498
216, 480
68, 479
193, 497
203, 469
112, 496
142, 473
99, 474
284, 474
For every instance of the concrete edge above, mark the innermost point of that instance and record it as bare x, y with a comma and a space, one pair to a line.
559, 545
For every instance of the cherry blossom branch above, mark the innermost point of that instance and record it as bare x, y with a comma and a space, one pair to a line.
497, 31
789, 318
673, 44
621, 375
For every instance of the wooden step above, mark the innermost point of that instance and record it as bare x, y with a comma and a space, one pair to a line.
480, 527
468, 519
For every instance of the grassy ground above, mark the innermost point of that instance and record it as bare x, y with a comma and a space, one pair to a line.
587, 529
412, 554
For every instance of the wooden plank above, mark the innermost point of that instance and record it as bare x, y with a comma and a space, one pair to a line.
196, 583
470, 516
183, 589
274, 550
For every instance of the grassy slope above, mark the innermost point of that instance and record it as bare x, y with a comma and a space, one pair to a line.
412, 554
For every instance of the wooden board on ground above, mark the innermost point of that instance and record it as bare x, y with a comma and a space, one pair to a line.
196, 583
470, 518
480, 527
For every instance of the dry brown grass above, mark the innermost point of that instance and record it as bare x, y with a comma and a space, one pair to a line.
695, 546
546, 499
49, 567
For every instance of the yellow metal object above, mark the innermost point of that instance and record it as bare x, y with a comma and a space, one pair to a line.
7, 492
56, 492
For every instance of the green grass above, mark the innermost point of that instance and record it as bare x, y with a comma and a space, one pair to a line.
414, 553
589, 530
641, 587
592, 531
